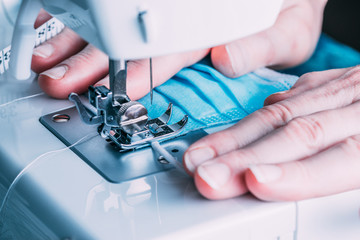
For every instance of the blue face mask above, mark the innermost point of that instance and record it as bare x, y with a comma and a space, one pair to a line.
210, 99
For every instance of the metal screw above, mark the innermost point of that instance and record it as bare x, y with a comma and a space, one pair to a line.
175, 150
60, 118
162, 160
110, 118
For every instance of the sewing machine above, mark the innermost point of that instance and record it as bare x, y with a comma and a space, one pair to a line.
115, 186
146, 29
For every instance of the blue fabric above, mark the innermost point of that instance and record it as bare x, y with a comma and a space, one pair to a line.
209, 98
329, 54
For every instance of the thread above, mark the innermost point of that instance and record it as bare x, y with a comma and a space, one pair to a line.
35, 161
20, 99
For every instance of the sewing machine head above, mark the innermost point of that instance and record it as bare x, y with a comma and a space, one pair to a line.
134, 29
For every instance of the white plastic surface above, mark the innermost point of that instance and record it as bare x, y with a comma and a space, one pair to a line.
331, 218
11, 8
6, 26
175, 26
168, 27
23, 40
61, 196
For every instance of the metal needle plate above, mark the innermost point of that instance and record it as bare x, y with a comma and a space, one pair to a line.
104, 157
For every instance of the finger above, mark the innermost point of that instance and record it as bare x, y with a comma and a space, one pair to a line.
90, 65
299, 139
42, 18
75, 74
306, 82
332, 95
56, 50
217, 181
138, 75
289, 42
333, 171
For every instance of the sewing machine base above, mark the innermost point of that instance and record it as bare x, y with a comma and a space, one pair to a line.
105, 157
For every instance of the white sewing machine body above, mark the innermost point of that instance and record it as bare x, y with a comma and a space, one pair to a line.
62, 197
133, 29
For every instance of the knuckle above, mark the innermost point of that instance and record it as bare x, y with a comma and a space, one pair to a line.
276, 113
351, 78
349, 83
341, 91
309, 79
354, 70
328, 92
308, 130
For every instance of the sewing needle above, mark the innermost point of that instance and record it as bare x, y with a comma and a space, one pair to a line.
151, 82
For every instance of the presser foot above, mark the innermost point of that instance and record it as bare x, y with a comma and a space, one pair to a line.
125, 124
104, 155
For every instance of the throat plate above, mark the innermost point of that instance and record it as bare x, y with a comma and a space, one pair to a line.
105, 158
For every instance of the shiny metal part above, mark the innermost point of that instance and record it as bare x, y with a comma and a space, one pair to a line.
85, 115
152, 132
132, 117
117, 76
120, 120
127, 124
115, 164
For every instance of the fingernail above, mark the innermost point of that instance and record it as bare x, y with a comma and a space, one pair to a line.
56, 72
266, 173
197, 156
269, 99
215, 175
282, 92
45, 50
232, 62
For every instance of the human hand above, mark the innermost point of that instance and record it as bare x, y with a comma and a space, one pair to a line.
289, 42
67, 64
304, 143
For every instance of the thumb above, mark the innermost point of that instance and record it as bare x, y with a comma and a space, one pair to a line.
289, 42
164, 67
242, 56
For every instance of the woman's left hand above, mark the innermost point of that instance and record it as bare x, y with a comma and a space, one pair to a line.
304, 143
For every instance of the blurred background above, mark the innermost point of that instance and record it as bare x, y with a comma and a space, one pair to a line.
342, 21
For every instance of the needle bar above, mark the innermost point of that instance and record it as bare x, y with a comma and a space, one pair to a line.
151, 82
117, 75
